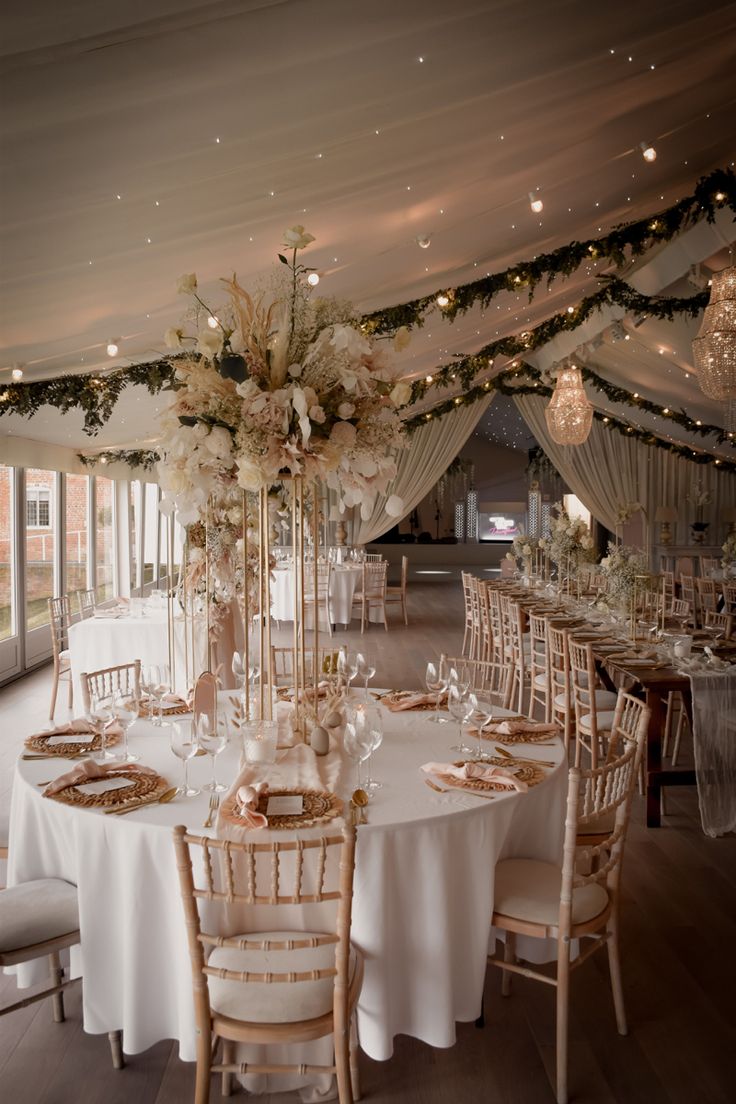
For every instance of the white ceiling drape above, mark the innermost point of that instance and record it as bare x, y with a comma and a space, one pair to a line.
610, 471
432, 448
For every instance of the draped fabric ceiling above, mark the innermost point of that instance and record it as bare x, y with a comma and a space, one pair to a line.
146, 139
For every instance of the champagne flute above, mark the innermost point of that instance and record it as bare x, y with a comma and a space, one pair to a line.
366, 669
184, 744
436, 679
99, 716
212, 739
125, 712
462, 704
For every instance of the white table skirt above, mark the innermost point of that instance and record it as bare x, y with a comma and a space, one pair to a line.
422, 902
105, 642
344, 580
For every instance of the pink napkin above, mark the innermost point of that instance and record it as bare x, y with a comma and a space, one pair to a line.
81, 727
247, 804
88, 771
516, 728
413, 701
477, 772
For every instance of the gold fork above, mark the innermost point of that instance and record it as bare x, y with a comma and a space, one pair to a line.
214, 806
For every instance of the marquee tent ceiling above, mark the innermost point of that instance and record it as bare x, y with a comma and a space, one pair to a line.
146, 139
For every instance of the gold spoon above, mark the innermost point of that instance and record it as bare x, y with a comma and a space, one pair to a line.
358, 801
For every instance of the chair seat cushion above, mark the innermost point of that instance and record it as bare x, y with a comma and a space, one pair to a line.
275, 1002
540, 681
603, 720
33, 912
598, 825
527, 889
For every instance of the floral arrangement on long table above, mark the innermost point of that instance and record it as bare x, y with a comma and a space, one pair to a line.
621, 567
279, 383
570, 543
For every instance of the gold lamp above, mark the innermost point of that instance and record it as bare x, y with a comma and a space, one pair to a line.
665, 515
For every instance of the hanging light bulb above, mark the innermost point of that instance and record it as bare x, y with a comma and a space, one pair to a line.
213, 322
423, 240
714, 349
17, 372
313, 279
648, 151
569, 415
535, 203
442, 299
113, 347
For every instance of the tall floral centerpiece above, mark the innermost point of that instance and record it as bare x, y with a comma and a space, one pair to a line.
621, 568
569, 544
699, 498
728, 561
278, 391
523, 552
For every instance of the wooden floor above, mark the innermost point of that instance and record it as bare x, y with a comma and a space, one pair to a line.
679, 962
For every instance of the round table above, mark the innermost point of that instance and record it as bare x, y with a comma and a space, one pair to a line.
423, 893
344, 579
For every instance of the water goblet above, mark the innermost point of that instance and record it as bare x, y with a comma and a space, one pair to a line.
358, 745
99, 716
462, 705
238, 669
370, 720
125, 712
213, 739
347, 667
483, 715
157, 685
436, 679
366, 669
184, 744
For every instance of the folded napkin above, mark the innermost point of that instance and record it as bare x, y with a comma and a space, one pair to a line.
107, 614
515, 728
88, 771
247, 804
476, 772
409, 700
79, 728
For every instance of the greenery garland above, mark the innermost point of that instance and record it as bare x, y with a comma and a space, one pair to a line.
134, 458
625, 241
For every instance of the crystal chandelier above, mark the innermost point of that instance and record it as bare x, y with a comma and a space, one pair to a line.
569, 414
714, 349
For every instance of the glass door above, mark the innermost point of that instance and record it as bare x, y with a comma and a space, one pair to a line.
41, 501
10, 651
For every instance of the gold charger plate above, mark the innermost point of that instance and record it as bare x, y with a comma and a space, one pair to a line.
517, 737
396, 697
88, 743
524, 770
319, 807
142, 788
150, 709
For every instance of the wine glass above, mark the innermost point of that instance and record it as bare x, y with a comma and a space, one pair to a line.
484, 715
462, 704
125, 712
99, 716
347, 667
370, 719
436, 679
459, 676
238, 669
212, 739
184, 744
358, 744
366, 669
157, 684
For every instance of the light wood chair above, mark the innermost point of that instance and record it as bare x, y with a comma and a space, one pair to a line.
709, 564
474, 651
283, 663
486, 622
373, 592
276, 986
398, 593
539, 899
689, 594
539, 679
467, 597
707, 596
103, 683
60, 618
324, 576
594, 707
485, 675
729, 597
520, 652
38, 919
373, 557
494, 603
87, 603
562, 708
722, 621
680, 610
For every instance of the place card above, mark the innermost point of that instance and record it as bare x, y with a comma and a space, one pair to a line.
104, 785
70, 738
285, 805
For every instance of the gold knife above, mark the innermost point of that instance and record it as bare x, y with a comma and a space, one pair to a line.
162, 800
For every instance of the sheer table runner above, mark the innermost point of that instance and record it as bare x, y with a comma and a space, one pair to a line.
714, 743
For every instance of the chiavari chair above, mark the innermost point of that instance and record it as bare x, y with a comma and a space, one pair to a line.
484, 675
708, 564
520, 653
475, 631
494, 605
594, 707
720, 621
467, 598
486, 626
729, 598
283, 663
87, 603
322, 596
689, 594
539, 899
125, 677
539, 676
373, 592
278, 985
398, 593
707, 596
562, 708
60, 619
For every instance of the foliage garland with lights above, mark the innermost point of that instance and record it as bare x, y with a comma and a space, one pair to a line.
628, 240
134, 458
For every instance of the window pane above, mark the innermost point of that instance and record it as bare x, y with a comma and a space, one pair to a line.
135, 528
104, 538
76, 534
40, 541
149, 537
7, 607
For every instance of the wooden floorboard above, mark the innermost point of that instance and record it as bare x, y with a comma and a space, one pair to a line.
678, 948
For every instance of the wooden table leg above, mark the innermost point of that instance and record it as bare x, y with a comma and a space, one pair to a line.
656, 702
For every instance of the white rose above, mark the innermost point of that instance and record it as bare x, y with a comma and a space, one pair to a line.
317, 414
401, 394
219, 442
235, 515
209, 343
394, 506
402, 338
187, 284
343, 434
295, 370
250, 477
297, 238
345, 410
172, 338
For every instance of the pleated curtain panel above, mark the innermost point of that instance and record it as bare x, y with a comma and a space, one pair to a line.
432, 449
611, 471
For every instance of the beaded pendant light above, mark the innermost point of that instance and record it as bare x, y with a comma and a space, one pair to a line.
569, 414
714, 349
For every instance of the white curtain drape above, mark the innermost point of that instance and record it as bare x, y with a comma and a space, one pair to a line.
432, 448
611, 471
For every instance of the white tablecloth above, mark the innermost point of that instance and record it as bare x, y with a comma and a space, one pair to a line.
105, 642
422, 904
344, 580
